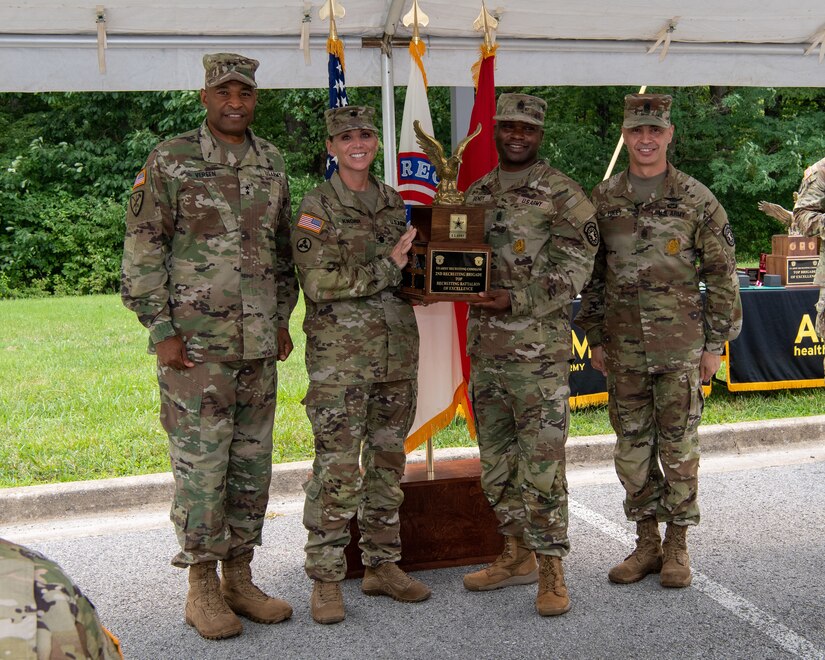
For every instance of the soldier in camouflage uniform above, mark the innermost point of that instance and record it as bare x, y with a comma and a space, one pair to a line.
208, 269
350, 243
809, 220
654, 336
544, 238
43, 614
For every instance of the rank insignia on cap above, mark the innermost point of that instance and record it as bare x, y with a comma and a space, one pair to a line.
140, 179
310, 223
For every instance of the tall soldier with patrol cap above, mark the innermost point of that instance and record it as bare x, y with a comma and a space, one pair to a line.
809, 220
349, 243
544, 238
208, 269
654, 335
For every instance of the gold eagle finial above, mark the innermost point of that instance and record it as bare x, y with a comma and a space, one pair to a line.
447, 193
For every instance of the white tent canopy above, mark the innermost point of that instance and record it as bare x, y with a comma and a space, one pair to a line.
150, 45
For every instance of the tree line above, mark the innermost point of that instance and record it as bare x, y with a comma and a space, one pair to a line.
67, 160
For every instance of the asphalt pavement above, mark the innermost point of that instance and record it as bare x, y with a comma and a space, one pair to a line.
758, 589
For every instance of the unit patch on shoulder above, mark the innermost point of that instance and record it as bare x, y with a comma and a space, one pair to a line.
310, 223
136, 202
591, 232
303, 245
728, 234
140, 179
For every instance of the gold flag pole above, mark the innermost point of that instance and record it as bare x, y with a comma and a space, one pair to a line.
416, 18
486, 23
619, 146
333, 10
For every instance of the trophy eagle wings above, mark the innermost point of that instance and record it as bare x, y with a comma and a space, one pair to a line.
446, 168
777, 212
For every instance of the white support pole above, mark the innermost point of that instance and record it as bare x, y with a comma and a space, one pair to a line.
388, 120
461, 105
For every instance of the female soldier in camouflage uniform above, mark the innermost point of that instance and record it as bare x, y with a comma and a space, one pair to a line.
350, 243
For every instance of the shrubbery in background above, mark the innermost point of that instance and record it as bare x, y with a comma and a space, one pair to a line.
67, 160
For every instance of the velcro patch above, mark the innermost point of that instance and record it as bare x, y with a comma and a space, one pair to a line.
303, 245
310, 223
728, 234
140, 179
538, 203
136, 202
591, 232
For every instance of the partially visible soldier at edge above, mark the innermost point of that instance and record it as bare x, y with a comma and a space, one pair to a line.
208, 269
544, 238
653, 334
43, 613
809, 220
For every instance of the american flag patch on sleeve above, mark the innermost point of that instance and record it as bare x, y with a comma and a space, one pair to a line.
310, 223
140, 179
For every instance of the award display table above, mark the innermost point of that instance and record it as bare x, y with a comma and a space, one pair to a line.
445, 521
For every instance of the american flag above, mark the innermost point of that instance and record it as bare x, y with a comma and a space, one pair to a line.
311, 223
337, 88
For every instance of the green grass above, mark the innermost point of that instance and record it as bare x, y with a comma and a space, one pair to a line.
79, 399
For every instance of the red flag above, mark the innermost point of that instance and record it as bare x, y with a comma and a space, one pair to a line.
480, 157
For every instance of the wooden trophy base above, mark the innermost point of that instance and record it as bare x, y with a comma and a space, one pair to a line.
445, 521
449, 258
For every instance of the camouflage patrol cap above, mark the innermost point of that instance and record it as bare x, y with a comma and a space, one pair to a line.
341, 120
521, 107
223, 67
647, 110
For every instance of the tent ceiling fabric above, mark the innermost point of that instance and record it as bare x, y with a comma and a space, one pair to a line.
51, 45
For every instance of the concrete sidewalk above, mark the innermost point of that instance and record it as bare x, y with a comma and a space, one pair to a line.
106, 495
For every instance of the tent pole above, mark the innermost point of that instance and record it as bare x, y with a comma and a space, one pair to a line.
388, 118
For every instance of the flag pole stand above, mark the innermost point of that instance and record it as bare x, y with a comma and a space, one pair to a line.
430, 463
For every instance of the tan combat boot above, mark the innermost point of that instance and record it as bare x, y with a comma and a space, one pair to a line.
327, 602
515, 565
552, 598
388, 580
244, 598
676, 563
645, 559
206, 609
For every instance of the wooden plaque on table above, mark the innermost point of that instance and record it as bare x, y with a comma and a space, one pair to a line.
792, 271
783, 245
449, 260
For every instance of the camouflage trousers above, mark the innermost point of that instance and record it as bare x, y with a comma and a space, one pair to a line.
522, 415
43, 614
219, 417
656, 418
369, 421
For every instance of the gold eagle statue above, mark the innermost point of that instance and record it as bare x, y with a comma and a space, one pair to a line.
447, 193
